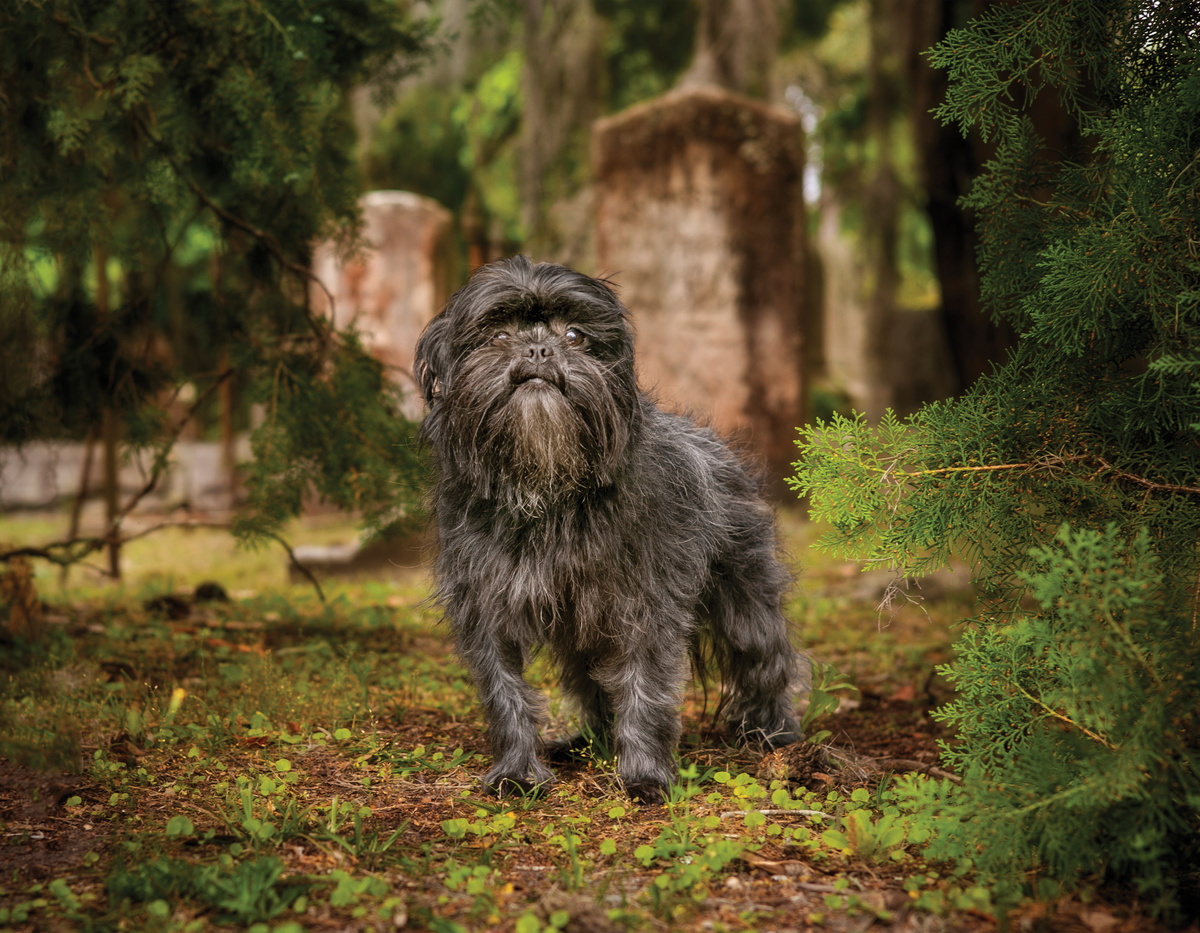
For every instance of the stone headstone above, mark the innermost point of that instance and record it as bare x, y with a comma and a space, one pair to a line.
396, 284
700, 224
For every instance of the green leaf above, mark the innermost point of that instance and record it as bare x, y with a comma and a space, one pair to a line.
180, 825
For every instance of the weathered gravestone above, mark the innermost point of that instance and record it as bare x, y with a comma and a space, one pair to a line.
389, 291
700, 223
396, 284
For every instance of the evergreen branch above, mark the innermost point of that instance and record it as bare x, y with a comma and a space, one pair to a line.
1195, 159
271, 244
1122, 633
268, 240
283, 33
1049, 462
1096, 737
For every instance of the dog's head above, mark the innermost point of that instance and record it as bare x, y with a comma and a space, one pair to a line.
529, 378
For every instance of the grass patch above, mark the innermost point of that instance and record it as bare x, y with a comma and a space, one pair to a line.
278, 764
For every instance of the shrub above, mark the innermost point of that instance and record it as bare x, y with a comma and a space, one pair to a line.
1067, 479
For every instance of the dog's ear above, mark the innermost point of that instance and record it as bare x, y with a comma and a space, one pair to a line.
432, 363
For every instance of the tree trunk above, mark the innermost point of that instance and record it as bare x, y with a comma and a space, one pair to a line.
947, 162
736, 46
881, 200
109, 428
561, 85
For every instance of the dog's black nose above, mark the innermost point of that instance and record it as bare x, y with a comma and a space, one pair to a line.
539, 350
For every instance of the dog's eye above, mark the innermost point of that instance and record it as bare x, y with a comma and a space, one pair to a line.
499, 338
573, 337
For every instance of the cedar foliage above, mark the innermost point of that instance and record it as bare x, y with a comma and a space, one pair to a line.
1069, 479
193, 152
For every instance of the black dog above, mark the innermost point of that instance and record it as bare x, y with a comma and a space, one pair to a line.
574, 514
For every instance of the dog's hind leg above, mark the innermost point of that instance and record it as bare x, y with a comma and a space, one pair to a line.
592, 707
760, 670
512, 709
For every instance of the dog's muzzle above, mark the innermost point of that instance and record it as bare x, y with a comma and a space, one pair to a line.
539, 361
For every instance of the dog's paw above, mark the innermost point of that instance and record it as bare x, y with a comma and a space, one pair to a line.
536, 779
649, 793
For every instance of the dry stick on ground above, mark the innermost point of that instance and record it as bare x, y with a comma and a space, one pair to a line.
858, 768
910, 764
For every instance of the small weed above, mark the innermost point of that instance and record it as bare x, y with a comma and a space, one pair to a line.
246, 892
823, 698
688, 850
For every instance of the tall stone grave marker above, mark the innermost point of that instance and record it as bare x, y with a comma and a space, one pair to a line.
700, 224
392, 289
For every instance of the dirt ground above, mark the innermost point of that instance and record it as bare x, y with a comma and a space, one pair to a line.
887, 729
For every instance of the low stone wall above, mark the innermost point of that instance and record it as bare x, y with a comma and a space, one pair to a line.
46, 475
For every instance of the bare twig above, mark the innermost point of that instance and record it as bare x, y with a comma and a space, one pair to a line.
728, 813
910, 764
296, 563
160, 460
74, 550
1148, 484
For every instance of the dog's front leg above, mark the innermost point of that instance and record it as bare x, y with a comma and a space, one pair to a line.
644, 690
512, 710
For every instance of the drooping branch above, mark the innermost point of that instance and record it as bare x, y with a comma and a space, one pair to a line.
75, 550
160, 460
1147, 484
318, 327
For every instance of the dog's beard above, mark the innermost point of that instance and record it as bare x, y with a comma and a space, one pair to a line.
532, 442
540, 449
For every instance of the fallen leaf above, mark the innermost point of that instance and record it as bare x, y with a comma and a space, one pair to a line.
789, 867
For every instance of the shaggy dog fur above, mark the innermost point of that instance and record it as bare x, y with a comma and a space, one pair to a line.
574, 515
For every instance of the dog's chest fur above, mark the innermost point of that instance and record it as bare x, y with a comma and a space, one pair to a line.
574, 577
585, 569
